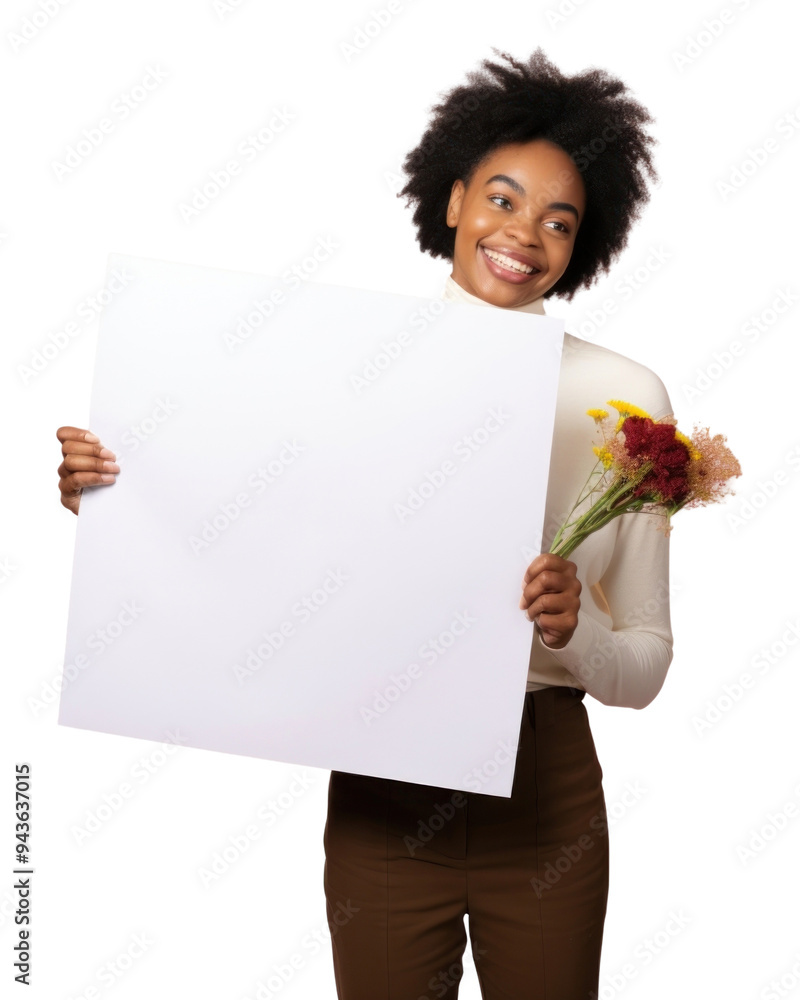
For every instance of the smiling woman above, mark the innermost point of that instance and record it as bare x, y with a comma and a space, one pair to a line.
596, 127
528, 182
513, 239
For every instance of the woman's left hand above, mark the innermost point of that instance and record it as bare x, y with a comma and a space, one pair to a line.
550, 593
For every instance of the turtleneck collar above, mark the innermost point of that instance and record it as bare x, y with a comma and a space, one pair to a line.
453, 292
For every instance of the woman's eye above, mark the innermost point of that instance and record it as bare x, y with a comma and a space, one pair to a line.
500, 198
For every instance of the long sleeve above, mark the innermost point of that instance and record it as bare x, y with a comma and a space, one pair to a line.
625, 663
622, 646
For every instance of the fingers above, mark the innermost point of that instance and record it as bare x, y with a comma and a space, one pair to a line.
549, 574
65, 433
86, 463
547, 561
555, 612
75, 440
71, 486
70, 482
551, 598
84, 448
551, 605
556, 622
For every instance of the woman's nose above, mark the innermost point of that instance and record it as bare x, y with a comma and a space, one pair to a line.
523, 229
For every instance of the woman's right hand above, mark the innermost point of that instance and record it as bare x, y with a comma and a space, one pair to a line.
86, 463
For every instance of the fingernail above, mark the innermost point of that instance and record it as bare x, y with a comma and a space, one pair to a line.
108, 479
110, 466
91, 437
106, 453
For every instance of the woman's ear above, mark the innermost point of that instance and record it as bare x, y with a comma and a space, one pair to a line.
454, 205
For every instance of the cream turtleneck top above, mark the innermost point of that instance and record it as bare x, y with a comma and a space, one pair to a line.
622, 646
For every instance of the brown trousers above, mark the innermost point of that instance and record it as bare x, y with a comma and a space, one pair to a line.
405, 862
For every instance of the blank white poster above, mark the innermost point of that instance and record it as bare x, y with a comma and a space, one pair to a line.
314, 549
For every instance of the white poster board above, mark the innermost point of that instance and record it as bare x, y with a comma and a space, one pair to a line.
314, 550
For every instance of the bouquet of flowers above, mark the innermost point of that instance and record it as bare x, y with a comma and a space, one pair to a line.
646, 464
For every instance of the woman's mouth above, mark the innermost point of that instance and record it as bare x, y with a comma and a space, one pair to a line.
505, 267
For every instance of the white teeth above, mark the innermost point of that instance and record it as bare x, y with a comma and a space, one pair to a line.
508, 262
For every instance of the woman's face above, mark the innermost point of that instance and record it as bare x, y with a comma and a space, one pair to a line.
526, 201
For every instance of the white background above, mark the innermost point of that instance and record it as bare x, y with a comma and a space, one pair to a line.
332, 173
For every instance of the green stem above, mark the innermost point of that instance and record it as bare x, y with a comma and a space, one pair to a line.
614, 501
578, 502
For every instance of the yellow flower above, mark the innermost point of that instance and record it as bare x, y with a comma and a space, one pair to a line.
604, 455
694, 454
597, 415
628, 409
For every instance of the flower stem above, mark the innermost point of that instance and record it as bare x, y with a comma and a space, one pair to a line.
615, 500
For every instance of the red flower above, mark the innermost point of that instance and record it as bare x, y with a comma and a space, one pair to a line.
646, 441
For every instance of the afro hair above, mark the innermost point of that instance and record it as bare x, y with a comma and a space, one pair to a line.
588, 115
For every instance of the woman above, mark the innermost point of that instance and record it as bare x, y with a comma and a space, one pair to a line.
528, 181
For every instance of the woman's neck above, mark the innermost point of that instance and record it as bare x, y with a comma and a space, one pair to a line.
453, 292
